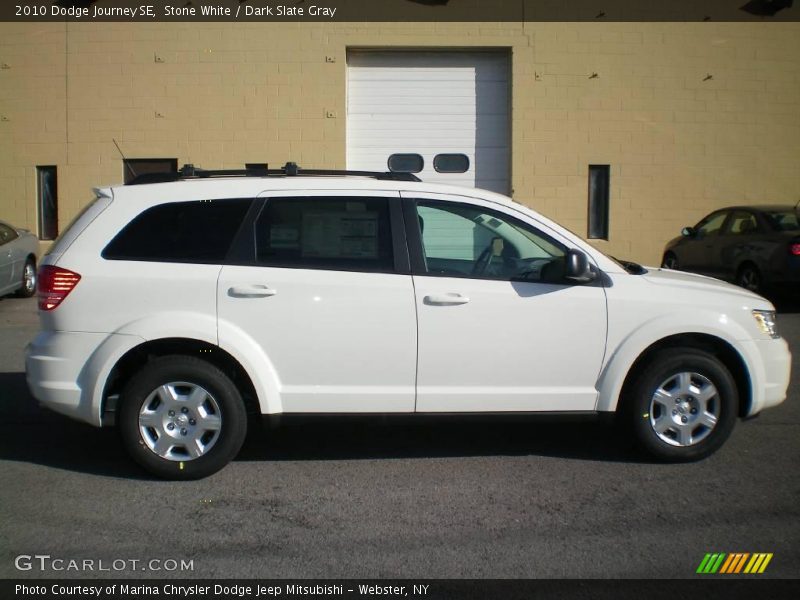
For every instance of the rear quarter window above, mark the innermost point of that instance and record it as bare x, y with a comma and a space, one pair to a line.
198, 231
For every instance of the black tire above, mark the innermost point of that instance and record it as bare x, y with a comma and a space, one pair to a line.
29, 280
644, 414
670, 261
749, 277
222, 405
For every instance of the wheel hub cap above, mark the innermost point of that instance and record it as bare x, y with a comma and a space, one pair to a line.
684, 409
29, 277
180, 421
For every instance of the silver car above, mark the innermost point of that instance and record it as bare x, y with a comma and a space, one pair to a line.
18, 248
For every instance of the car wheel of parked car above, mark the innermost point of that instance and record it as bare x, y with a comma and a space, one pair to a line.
28, 288
670, 261
682, 405
749, 278
182, 418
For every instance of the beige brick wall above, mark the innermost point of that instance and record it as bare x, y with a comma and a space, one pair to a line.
221, 94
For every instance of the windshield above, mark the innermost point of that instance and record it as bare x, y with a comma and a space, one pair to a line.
784, 220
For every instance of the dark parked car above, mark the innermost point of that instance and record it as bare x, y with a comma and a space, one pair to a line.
756, 247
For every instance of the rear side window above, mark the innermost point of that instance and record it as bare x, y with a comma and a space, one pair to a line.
343, 234
784, 220
191, 232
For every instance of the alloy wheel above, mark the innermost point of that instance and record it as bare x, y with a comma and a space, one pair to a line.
684, 409
180, 421
750, 280
29, 278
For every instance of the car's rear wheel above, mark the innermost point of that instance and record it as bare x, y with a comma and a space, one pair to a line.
670, 261
182, 418
28, 287
749, 278
682, 405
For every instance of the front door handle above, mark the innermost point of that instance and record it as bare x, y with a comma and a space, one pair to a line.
251, 291
450, 299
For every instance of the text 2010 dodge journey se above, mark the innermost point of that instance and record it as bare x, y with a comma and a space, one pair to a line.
179, 306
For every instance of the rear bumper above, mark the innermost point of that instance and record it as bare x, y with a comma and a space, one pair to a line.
66, 371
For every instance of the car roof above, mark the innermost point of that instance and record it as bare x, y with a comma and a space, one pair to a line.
236, 187
762, 207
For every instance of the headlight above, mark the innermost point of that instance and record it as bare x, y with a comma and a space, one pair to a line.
765, 319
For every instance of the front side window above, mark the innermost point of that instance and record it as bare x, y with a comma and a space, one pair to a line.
342, 234
711, 224
191, 232
7, 234
461, 240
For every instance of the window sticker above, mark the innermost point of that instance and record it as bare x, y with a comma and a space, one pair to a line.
284, 236
340, 234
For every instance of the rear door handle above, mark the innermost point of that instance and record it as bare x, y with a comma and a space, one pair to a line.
251, 291
450, 299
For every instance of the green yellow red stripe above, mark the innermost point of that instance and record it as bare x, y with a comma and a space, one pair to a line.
734, 562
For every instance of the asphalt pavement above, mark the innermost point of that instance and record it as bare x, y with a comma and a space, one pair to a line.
382, 499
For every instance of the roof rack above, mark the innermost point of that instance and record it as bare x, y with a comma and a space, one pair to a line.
291, 169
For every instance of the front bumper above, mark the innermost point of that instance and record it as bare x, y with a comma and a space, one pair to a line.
777, 365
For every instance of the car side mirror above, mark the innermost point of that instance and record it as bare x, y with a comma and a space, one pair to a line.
688, 232
577, 267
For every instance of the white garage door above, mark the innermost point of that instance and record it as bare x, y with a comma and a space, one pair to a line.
430, 103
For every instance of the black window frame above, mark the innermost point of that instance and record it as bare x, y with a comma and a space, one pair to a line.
598, 214
44, 231
405, 154
244, 248
443, 156
129, 171
417, 252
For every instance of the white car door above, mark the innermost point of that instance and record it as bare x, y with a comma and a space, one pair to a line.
500, 329
329, 298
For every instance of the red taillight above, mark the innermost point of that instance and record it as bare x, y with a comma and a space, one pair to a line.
55, 284
794, 249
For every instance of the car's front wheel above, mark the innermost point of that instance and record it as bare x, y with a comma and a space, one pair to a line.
749, 278
182, 418
682, 405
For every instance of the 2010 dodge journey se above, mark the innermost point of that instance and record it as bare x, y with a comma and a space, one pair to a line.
180, 306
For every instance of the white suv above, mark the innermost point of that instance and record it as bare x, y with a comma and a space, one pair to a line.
177, 307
